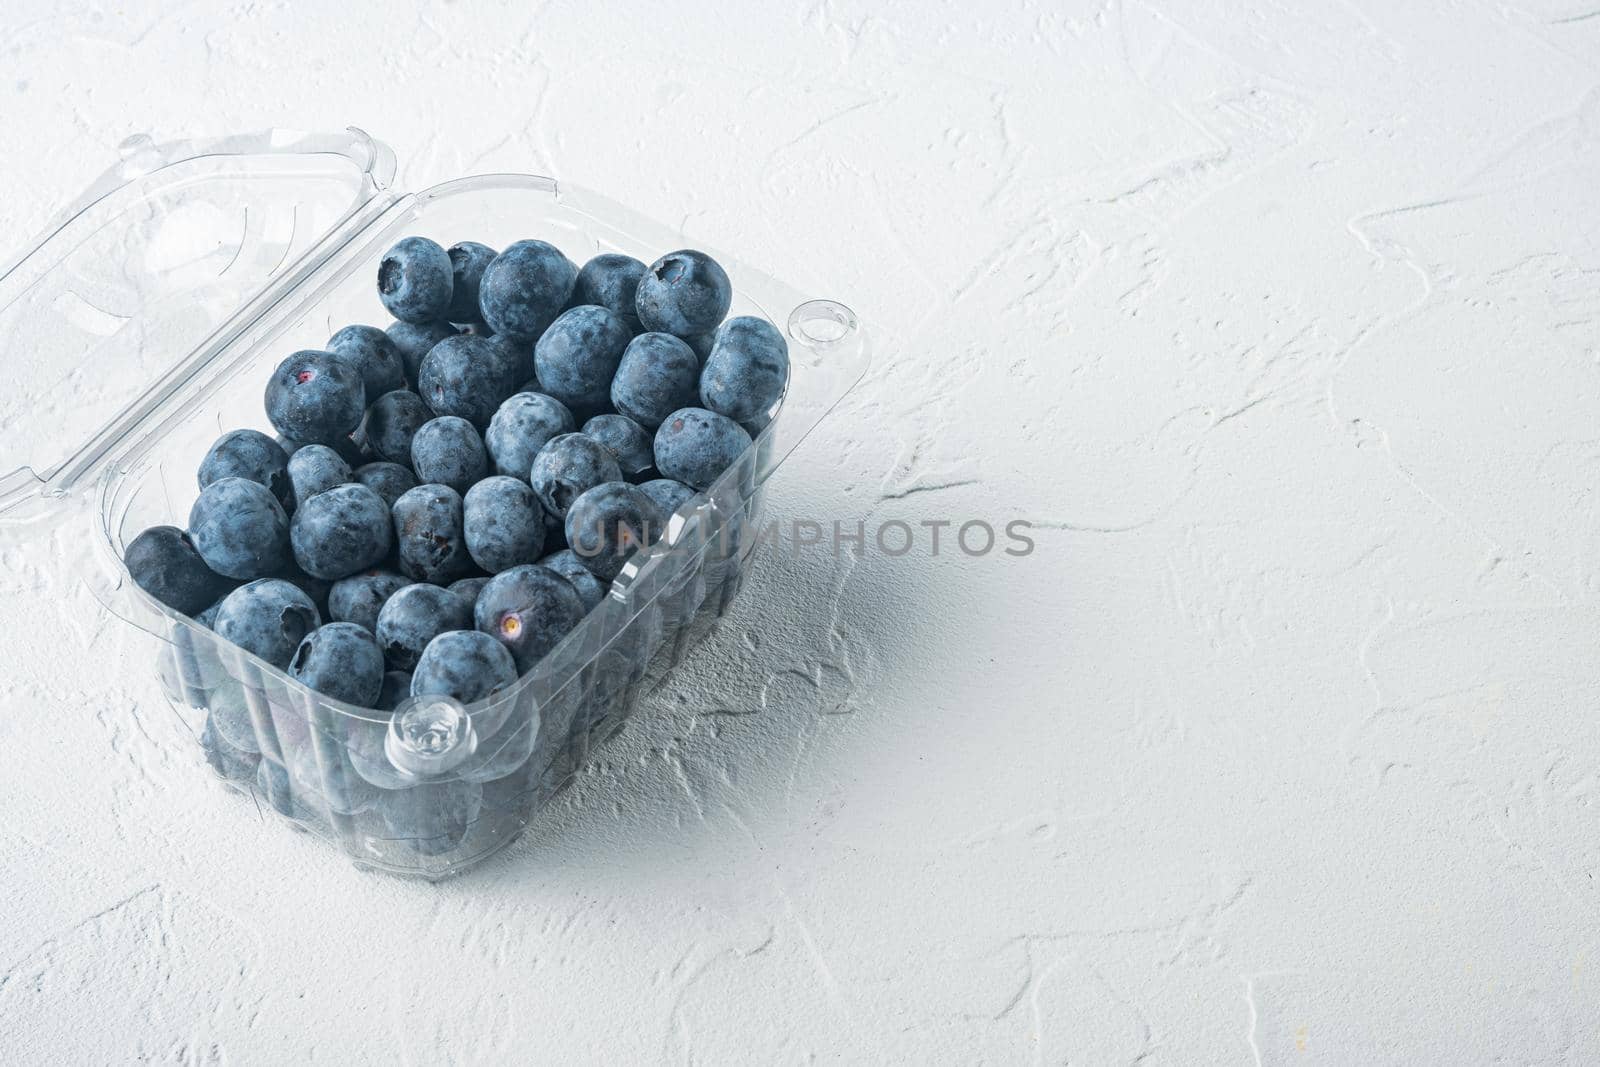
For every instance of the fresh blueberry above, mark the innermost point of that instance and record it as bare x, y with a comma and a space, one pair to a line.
389, 480
340, 660
659, 374
341, 531
521, 427
468, 261
524, 288
611, 281
464, 376
627, 440
695, 446
415, 341
360, 597
504, 523
747, 371
226, 759
316, 469
608, 523
240, 529
414, 280
427, 528
528, 609
669, 495
448, 451
164, 563
267, 618
396, 690
392, 421
567, 564
684, 293
468, 588
414, 616
432, 818
249, 454
317, 398
578, 355
566, 466
463, 664
371, 352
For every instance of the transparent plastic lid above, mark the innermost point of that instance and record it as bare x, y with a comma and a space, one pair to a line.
110, 311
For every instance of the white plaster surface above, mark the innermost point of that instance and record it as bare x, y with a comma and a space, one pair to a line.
1281, 320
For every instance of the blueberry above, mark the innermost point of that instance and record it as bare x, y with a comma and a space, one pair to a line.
360, 597
683, 293
566, 466
465, 665
393, 420
464, 376
164, 563
608, 523
658, 375
529, 610
414, 616
267, 618
415, 341
524, 288
611, 281
468, 261
427, 528
521, 427
316, 469
249, 454
578, 355
340, 660
504, 523
371, 352
747, 371
317, 398
226, 759
240, 529
627, 440
567, 564
434, 817
341, 531
668, 494
396, 689
389, 480
468, 588
695, 446
448, 451
414, 280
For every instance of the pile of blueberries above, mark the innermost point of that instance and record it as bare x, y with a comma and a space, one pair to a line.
447, 498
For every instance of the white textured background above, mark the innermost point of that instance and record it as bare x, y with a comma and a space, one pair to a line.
1283, 746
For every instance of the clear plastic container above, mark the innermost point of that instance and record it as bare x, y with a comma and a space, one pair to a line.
204, 263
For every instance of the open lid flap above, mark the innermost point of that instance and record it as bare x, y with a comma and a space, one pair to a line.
112, 308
